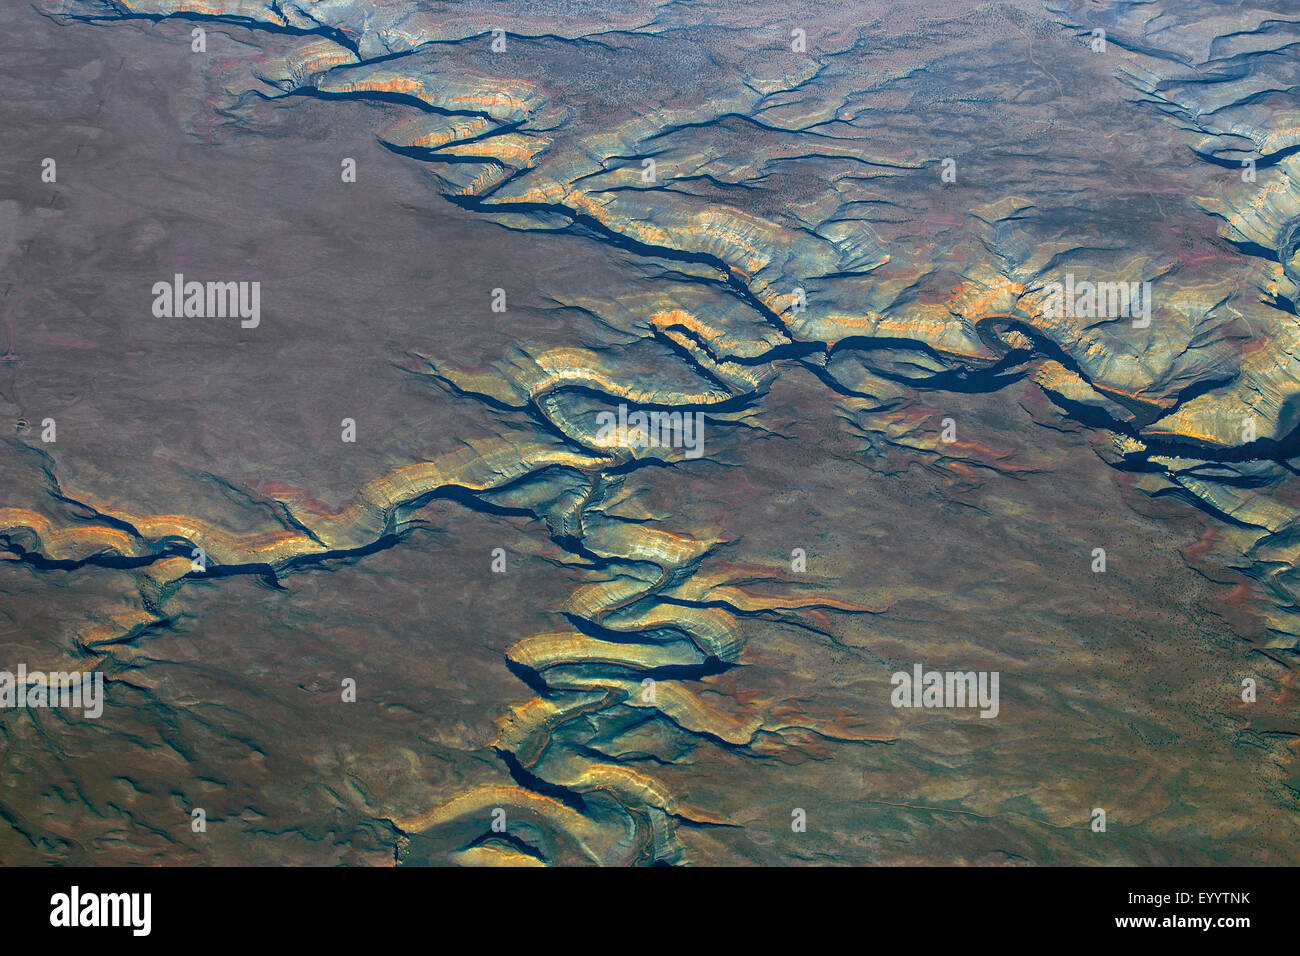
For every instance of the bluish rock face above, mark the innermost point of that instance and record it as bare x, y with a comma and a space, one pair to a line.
649, 432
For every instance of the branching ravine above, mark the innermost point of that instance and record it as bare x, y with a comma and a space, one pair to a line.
997, 313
